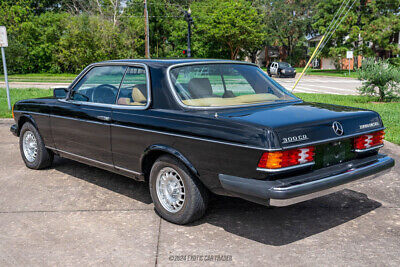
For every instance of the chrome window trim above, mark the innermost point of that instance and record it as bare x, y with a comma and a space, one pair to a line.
286, 168
178, 100
113, 106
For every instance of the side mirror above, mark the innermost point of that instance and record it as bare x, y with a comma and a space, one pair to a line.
60, 92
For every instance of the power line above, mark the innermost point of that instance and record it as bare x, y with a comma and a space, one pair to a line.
330, 34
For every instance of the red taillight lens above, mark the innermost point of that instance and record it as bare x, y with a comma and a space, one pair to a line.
369, 140
287, 158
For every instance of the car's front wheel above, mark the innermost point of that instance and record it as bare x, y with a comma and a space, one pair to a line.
33, 152
178, 196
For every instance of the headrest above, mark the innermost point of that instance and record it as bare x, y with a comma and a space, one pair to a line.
138, 96
200, 87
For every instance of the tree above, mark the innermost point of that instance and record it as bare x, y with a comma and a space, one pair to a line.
288, 22
368, 27
234, 25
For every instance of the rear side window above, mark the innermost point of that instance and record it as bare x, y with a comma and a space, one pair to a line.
133, 90
99, 85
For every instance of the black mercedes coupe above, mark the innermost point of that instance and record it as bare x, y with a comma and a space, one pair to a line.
194, 127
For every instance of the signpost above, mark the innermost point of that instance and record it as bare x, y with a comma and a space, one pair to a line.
4, 43
349, 55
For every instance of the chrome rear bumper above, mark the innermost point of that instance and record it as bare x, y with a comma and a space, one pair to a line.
307, 186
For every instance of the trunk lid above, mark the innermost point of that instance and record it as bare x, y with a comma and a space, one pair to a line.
301, 123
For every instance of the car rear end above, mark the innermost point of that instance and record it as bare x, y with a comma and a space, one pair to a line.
315, 158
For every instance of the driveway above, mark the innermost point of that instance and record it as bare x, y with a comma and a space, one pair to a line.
73, 214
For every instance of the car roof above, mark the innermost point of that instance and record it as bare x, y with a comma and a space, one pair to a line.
168, 62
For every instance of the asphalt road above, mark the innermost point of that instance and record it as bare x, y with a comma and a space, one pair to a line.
308, 84
73, 214
322, 85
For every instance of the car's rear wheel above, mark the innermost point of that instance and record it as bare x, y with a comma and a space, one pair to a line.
178, 195
33, 152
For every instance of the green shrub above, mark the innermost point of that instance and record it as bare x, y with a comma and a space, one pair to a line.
395, 61
379, 79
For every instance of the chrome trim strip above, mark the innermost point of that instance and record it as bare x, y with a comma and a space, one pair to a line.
214, 141
126, 170
367, 149
210, 140
114, 106
93, 160
334, 177
32, 112
76, 119
332, 139
287, 168
302, 198
165, 133
192, 137
178, 100
82, 157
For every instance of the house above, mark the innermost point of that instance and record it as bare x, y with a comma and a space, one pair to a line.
329, 63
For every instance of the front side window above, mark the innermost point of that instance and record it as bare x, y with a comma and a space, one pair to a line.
284, 65
133, 90
216, 85
99, 85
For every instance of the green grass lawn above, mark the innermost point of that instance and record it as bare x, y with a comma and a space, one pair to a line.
18, 94
390, 111
40, 77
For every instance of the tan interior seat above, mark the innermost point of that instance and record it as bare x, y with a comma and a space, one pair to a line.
124, 101
139, 99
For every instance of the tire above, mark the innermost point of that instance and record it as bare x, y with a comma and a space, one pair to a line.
168, 170
43, 157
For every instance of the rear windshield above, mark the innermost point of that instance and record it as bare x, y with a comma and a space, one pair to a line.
218, 85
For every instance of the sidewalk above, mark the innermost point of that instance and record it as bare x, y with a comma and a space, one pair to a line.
38, 85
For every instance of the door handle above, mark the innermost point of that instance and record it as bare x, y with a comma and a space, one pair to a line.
103, 118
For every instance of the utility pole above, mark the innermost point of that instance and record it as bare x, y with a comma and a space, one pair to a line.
146, 29
4, 43
188, 18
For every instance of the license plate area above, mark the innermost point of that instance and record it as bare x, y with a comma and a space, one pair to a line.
333, 153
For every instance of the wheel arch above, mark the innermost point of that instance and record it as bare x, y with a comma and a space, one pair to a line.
153, 152
23, 119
